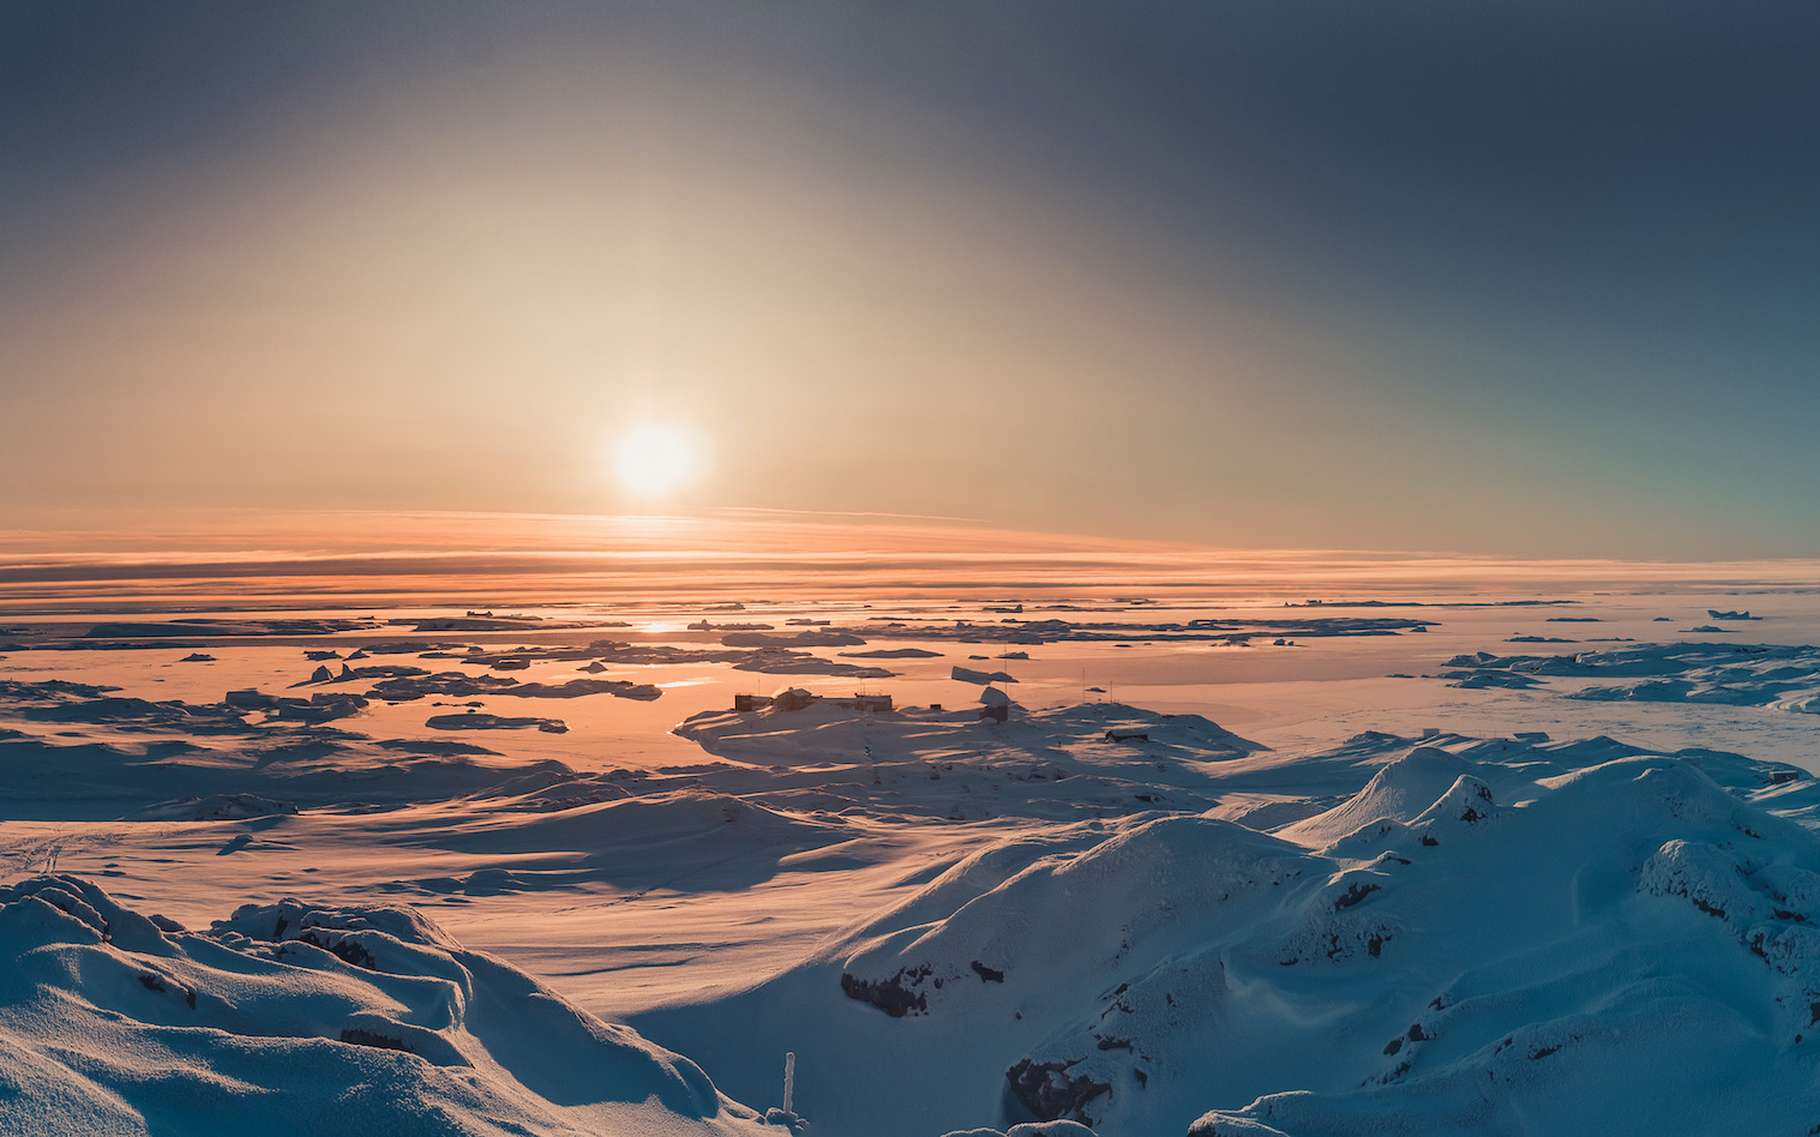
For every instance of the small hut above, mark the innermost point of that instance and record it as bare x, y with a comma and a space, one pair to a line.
792, 699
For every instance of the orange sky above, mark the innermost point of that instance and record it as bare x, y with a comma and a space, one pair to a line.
197, 557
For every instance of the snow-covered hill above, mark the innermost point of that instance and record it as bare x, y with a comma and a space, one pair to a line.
288, 1018
1481, 937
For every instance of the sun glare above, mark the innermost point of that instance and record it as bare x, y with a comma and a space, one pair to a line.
655, 460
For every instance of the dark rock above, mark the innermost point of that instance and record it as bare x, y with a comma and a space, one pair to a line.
360, 1037
152, 981
1047, 1090
894, 996
341, 948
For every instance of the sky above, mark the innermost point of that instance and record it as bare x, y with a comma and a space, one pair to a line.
222, 561
1531, 280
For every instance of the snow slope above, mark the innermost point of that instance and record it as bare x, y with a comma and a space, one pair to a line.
290, 1018
1478, 938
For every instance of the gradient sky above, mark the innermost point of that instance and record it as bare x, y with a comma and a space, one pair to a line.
1535, 279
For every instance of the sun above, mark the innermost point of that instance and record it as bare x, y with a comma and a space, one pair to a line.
656, 459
